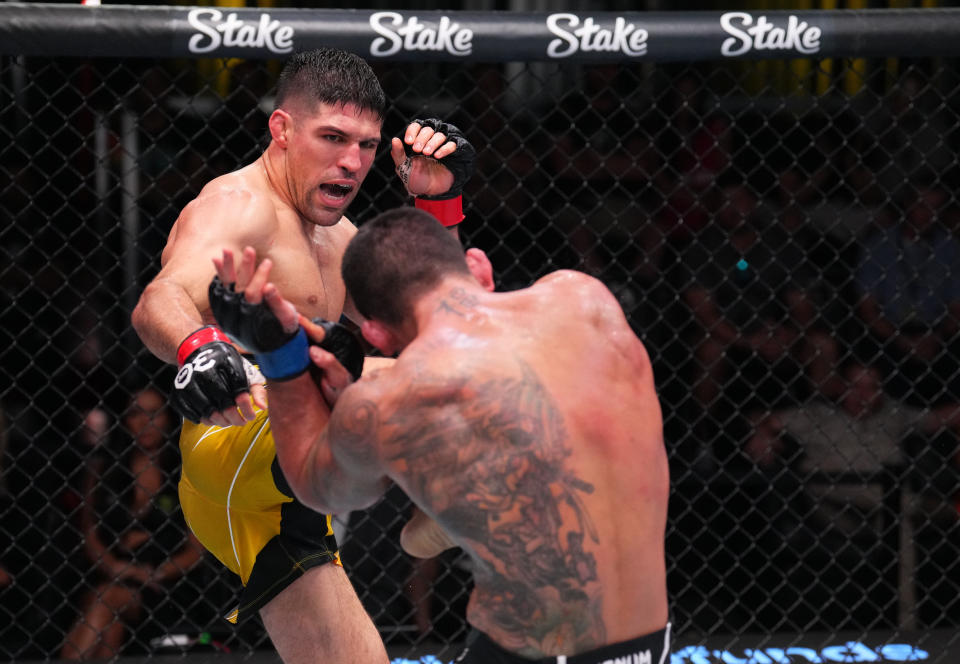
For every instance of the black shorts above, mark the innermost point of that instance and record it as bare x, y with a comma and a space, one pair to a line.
652, 648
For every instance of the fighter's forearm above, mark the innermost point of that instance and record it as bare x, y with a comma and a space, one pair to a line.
164, 317
325, 460
298, 416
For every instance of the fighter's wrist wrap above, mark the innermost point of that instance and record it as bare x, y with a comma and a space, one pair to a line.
204, 335
448, 206
288, 361
448, 212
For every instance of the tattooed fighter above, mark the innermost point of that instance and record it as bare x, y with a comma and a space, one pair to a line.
525, 423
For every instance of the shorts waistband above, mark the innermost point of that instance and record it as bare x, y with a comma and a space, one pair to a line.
653, 648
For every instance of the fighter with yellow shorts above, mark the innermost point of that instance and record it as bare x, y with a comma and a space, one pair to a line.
238, 503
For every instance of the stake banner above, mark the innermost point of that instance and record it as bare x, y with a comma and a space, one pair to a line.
256, 33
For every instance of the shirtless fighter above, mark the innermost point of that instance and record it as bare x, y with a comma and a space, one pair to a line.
288, 205
525, 423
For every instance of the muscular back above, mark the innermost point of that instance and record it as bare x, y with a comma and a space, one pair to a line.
527, 424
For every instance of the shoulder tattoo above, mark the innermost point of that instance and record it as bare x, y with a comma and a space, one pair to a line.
354, 427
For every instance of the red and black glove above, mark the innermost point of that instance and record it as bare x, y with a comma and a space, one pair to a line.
212, 374
448, 206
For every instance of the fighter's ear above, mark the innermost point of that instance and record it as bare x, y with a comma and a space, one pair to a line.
280, 124
379, 336
480, 267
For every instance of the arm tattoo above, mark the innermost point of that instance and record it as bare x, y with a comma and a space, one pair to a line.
504, 450
354, 428
353, 470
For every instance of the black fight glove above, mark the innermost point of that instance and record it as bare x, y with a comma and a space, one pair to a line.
344, 346
280, 355
212, 374
253, 326
461, 162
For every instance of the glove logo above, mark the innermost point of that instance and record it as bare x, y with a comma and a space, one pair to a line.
202, 362
183, 376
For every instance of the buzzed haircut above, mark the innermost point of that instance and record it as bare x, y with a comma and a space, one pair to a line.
395, 257
330, 76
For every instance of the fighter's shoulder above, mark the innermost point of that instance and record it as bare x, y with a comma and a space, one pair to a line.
231, 202
577, 289
377, 388
416, 376
569, 278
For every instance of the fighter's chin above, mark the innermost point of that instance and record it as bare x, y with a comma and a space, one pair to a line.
323, 217
325, 212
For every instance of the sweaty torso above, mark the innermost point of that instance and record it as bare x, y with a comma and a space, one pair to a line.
306, 257
307, 268
537, 444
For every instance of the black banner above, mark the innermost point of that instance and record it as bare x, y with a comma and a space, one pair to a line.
150, 31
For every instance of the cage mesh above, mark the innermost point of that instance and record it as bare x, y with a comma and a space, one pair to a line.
781, 235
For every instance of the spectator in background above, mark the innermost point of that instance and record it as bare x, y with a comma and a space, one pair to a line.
908, 282
837, 526
862, 431
689, 185
602, 163
134, 534
819, 303
740, 278
909, 134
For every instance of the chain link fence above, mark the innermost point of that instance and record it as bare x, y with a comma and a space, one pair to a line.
781, 234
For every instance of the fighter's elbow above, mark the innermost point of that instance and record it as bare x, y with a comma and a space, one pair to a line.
138, 317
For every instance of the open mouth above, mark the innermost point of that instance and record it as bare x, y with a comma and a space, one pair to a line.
336, 191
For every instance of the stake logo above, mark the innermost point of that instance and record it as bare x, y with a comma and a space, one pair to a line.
214, 31
411, 35
746, 36
572, 37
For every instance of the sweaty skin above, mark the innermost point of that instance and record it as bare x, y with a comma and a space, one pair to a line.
527, 425
287, 206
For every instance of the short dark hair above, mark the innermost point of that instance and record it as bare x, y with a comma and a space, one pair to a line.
395, 257
330, 76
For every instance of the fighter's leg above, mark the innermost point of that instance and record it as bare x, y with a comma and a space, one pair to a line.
319, 618
98, 632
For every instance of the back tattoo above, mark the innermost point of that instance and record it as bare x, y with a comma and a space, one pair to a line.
520, 506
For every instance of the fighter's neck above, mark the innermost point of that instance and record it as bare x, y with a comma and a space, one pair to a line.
273, 169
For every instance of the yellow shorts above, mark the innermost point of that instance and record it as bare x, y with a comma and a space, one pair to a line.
237, 502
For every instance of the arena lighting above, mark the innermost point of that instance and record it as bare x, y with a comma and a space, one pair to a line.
851, 651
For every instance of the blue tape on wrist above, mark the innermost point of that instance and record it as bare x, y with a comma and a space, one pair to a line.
290, 360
